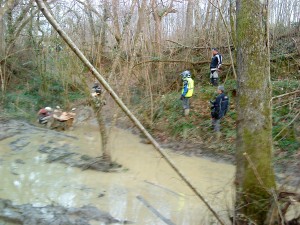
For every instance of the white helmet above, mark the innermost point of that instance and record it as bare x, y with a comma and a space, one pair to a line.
49, 109
186, 74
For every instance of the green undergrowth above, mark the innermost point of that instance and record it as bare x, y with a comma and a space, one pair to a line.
285, 123
196, 128
25, 101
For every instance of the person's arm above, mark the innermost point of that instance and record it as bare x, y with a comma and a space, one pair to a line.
185, 88
219, 61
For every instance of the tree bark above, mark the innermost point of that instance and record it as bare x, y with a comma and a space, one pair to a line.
254, 176
189, 21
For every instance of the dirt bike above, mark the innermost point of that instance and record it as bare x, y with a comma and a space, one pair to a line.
62, 120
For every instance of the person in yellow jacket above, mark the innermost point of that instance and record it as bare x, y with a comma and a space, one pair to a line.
187, 91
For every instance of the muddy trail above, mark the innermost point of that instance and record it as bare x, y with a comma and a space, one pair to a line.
51, 177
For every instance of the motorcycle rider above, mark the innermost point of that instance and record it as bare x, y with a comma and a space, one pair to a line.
44, 115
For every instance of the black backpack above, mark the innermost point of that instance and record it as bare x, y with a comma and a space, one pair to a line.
224, 106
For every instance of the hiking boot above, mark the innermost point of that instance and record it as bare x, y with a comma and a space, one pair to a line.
186, 112
218, 135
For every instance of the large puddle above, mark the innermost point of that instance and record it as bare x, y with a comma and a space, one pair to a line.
145, 191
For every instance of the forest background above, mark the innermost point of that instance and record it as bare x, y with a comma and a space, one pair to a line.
141, 47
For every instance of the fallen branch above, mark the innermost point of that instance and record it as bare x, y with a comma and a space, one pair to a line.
120, 103
289, 196
284, 56
178, 61
195, 47
164, 188
283, 95
155, 212
286, 126
163, 61
184, 46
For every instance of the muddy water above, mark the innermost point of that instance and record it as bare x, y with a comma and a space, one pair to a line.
145, 191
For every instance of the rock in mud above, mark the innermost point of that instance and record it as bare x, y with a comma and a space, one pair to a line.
19, 144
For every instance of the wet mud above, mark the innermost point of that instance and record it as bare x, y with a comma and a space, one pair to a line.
63, 154
49, 174
27, 214
56, 152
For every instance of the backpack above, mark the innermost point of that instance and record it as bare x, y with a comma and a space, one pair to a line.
224, 105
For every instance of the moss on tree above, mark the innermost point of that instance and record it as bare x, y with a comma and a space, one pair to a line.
255, 177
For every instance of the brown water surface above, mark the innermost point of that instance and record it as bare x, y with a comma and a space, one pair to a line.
145, 191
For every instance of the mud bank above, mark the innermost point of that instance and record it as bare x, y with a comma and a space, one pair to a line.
27, 214
43, 168
56, 152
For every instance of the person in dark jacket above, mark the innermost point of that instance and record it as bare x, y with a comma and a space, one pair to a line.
219, 109
215, 65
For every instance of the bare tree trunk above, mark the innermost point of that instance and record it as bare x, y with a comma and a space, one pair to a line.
228, 35
189, 21
121, 104
254, 176
208, 8
157, 54
94, 34
158, 12
117, 31
157, 33
127, 71
198, 21
103, 33
97, 105
232, 24
14, 28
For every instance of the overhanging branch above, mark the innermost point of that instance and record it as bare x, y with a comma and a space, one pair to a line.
120, 103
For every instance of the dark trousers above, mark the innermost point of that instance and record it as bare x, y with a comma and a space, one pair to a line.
214, 81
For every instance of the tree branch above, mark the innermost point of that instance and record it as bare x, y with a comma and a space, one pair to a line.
283, 95
115, 97
195, 47
277, 135
178, 61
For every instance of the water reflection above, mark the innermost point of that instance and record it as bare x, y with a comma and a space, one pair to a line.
146, 192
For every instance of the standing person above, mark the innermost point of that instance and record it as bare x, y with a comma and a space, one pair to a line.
219, 109
187, 91
215, 65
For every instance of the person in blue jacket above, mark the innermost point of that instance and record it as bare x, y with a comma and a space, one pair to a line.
219, 109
